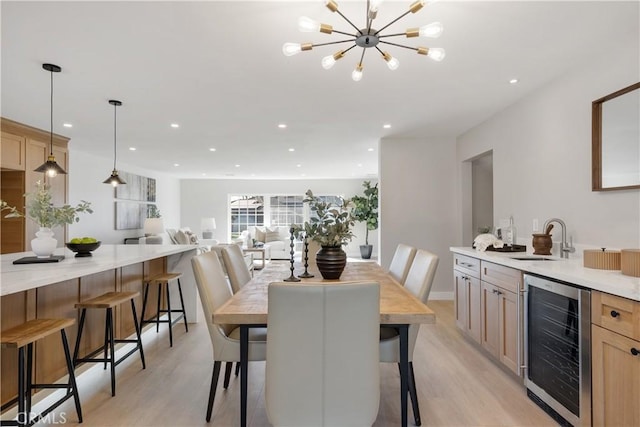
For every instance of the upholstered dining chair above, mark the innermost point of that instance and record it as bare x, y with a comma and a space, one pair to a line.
401, 262
419, 281
214, 291
322, 355
237, 269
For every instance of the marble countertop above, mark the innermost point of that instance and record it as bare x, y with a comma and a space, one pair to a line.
567, 270
20, 277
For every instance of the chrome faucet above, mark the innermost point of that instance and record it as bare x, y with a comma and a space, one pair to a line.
565, 247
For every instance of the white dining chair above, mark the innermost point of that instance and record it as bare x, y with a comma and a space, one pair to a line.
214, 291
401, 262
322, 355
236, 266
419, 281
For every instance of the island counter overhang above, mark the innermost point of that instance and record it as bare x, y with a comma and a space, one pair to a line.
50, 290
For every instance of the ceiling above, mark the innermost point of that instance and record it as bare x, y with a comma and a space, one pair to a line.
217, 70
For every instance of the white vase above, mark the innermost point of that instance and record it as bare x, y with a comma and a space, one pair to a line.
44, 244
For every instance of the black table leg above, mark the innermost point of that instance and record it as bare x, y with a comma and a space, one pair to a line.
244, 362
404, 370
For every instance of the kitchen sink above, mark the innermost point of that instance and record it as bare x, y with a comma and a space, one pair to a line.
533, 258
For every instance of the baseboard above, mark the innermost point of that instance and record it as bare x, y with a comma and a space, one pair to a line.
441, 296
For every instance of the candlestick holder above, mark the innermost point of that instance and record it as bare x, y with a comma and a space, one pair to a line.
306, 274
292, 277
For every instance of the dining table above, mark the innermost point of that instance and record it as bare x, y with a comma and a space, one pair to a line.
399, 308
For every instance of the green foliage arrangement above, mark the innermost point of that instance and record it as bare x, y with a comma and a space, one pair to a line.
330, 225
41, 211
366, 208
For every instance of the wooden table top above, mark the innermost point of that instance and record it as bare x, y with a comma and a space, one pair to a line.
397, 305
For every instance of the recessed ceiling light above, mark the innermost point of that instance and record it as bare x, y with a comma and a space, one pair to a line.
204, 174
292, 149
212, 149
282, 126
175, 125
359, 165
132, 148
67, 125
370, 149
237, 166
176, 164
513, 81
387, 126
298, 165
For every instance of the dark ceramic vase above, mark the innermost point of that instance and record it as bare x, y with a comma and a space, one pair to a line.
331, 261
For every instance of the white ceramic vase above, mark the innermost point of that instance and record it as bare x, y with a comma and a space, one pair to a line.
44, 244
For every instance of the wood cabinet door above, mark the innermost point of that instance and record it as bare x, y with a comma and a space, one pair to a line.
460, 302
616, 379
509, 325
474, 323
490, 314
12, 151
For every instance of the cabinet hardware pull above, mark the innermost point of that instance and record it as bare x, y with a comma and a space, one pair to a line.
635, 351
614, 313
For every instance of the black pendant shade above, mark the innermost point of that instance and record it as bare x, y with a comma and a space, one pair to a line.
50, 167
114, 179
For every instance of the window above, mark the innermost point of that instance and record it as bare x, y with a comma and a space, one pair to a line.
286, 210
246, 211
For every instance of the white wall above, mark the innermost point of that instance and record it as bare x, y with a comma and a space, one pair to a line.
542, 159
85, 183
417, 202
209, 198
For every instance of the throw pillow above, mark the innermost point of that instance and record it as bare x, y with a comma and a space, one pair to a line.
181, 238
260, 235
271, 236
193, 238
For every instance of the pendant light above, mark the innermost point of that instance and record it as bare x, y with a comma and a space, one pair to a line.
50, 167
114, 179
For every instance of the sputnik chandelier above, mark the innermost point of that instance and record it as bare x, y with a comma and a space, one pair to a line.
367, 37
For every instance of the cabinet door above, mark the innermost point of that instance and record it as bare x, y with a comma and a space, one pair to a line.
460, 302
616, 379
59, 190
474, 324
36, 155
12, 151
509, 337
490, 313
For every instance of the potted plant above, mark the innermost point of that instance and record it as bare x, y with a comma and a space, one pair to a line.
330, 226
40, 210
365, 209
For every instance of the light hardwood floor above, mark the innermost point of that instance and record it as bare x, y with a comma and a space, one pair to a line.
457, 385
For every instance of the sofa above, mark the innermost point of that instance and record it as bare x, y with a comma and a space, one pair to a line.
277, 238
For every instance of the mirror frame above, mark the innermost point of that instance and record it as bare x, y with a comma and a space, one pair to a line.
596, 140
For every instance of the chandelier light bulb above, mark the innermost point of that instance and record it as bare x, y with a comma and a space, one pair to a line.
330, 60
308, 25
290, 49
436, 53
373, 8
433, 30
356, 75
52, 173
392, 62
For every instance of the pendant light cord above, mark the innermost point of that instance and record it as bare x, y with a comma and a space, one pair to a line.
51, 132
115, 130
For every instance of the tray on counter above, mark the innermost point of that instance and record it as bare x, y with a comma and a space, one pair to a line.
36, 260
514, 248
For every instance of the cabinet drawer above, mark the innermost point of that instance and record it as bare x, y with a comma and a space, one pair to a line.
617, 314
467, 264
499, 275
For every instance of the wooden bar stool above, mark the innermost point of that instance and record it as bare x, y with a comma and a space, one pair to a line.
25, 335
108, 301
164, 279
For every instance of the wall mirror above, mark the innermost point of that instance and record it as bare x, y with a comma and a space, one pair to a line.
616, 140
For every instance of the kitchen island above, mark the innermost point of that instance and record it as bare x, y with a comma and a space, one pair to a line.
50, 290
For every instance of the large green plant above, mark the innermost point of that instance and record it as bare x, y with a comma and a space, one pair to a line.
329, 225
366, 208
41, 211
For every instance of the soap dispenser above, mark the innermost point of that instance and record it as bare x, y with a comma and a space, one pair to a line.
510, 234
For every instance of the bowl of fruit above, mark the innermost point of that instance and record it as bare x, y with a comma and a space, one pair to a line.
83, 246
